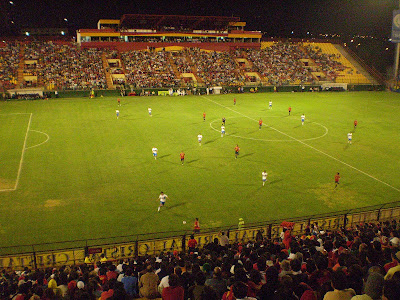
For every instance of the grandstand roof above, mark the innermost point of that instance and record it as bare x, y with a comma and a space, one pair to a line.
176, 21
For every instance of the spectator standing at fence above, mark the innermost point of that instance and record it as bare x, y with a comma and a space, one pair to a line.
192, 244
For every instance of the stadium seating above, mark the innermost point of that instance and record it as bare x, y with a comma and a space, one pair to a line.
64, 66
290, 267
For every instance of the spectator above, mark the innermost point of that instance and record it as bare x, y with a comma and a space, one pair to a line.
340, 286
173, 291
148, 283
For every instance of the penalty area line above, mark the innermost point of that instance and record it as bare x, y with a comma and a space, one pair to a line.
309, 146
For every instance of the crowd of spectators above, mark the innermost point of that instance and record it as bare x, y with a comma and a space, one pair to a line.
149, 69
66, 66
358, 263
9, 59
327, 63
216, 68
281, 63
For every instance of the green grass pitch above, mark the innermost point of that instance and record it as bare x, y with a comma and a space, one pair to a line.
69, 169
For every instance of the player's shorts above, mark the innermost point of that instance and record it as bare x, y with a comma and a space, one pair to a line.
336, 181
182, 159
199, 141
349, 139
162, 203
236, 152
154, 154
223, 132
264, 179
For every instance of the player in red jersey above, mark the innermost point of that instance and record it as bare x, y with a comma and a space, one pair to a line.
196, 227
234, 101
259, 123
237, 149
204, 116
119, 102
355, 124
337, 177
290, 110
182, 155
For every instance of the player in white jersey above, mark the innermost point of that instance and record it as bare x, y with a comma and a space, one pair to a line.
264, 177
199, 138
155, 151
117, 113
303, 117
270, 104
162, 198
149, 110
349, 137
222, 130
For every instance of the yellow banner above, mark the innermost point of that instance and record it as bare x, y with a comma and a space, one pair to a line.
156, 246
17, 262
116, 252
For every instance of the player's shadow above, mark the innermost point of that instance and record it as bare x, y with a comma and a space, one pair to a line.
298, 126
175, 205
346, 184
210, 141
192, 161
163, 156
347, 146
275, 181
247, 154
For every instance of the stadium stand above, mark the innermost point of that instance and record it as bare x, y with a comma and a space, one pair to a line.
9, 60
315, 264
348, 73
66, 66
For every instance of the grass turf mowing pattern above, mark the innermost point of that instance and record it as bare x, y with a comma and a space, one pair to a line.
96, 176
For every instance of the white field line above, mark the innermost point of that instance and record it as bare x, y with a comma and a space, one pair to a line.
41, 142
22, 157
309, 146
265, 140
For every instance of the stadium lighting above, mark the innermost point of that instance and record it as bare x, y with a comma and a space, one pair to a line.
62, 33
65, 19
27, 33
308, 32
12, 3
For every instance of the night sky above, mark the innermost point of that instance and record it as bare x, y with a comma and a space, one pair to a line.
275, 17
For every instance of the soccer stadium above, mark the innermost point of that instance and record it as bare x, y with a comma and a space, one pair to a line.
168, 156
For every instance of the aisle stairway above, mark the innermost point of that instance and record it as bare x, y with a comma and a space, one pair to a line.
107, 72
